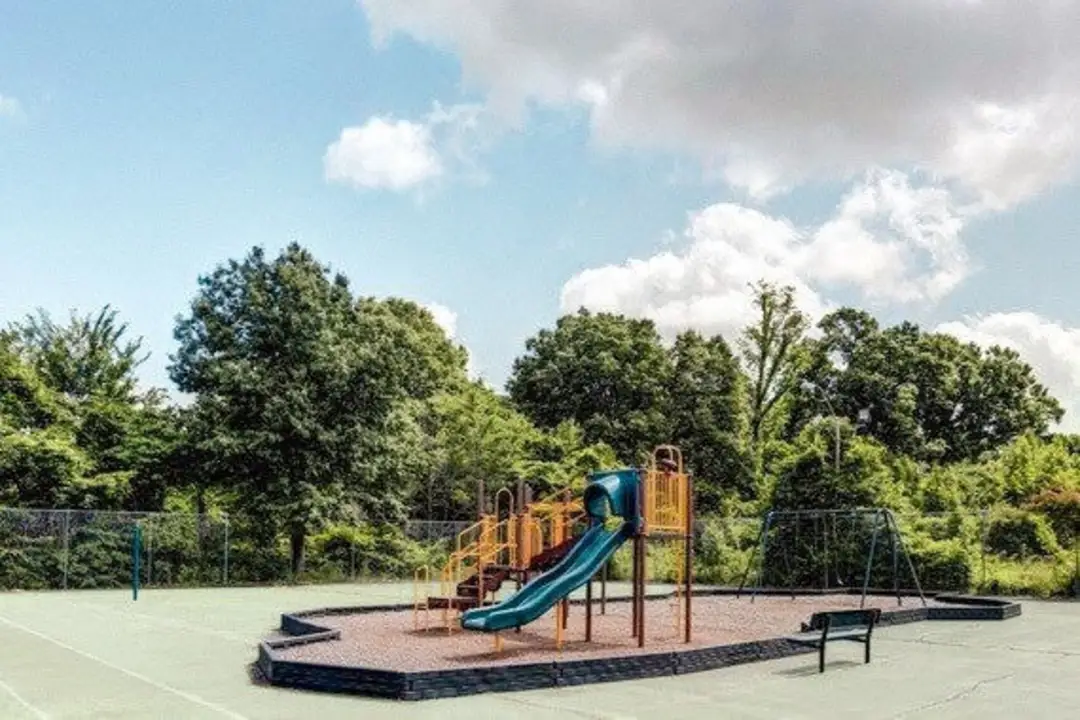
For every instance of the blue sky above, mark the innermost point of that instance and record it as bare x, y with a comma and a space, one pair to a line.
143, 143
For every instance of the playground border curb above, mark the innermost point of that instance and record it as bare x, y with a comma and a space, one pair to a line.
433, 684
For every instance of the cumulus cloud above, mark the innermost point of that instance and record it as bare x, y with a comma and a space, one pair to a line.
1052, 349
398, 154
890, 240
444, 318
10, 107
447, 319
982, 94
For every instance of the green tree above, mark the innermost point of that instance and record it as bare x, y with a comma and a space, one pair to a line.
808, 478
87, 357
772, 348
924, 394
608, 373
707, 411
482, 440
295, 382
562, 458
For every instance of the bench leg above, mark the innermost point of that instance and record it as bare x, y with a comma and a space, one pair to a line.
821, 658
867, 649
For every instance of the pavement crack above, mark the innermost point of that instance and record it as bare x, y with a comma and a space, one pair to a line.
959, 695
1010, 648
575, 712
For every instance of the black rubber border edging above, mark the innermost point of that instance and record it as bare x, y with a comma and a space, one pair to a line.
431, 684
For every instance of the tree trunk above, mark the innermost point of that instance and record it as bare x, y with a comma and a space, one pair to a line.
297, 535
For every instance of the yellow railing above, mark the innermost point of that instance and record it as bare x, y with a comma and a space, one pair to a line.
513, 541
665, 506
421, 588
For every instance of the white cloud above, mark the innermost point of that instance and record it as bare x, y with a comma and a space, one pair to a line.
447, 319
1051, 349
383, 153
982, 93
889, 240
444, 318
10, 107
397, 154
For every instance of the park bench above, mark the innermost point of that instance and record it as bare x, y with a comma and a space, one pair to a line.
854, 625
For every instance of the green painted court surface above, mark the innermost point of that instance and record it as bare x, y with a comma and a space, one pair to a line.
185, 654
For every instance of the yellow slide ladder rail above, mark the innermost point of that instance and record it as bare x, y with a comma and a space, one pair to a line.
421, 592
665, 492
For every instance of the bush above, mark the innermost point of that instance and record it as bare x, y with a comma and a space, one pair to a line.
942, 564
1020, 534
367, 551
1039, 578
723, 550
1061, 507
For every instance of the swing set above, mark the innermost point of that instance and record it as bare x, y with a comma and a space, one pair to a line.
822, 550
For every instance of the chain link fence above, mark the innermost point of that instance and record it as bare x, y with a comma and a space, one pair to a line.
1004, 551
81, 549
434, 530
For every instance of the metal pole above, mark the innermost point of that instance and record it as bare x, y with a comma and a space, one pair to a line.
67, 545
150, 553
688, 571
824, 546
588, 610
136, 553
764, 548
225, 568
791, 575
870, 560
895, 561
907, 556
750, 562
603, 588
639, 543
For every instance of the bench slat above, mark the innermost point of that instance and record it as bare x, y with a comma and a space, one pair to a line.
843, 634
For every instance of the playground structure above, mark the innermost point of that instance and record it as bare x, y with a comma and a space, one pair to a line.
552, 548
817, 555
542, 538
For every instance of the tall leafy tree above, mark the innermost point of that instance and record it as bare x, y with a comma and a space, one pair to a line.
772, 348
90, 356
608, 373
295, 381
707, 410
923, 394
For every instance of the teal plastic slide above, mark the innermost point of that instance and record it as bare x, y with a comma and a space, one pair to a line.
608, 493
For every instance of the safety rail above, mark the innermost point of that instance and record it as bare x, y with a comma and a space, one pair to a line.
666, 503
512, 542
421, 586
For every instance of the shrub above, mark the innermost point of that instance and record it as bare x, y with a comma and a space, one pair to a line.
1039, 578
942, 564
1015, 533
1061, 506
723, 549
349, 551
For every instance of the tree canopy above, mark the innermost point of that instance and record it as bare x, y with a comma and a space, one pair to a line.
318, 415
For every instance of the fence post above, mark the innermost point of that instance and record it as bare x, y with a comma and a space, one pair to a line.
67, 545
225, 570
1076, 561
136, 553
985, 530
149, 553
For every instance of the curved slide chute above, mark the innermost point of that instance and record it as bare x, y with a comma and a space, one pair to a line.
608, 493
